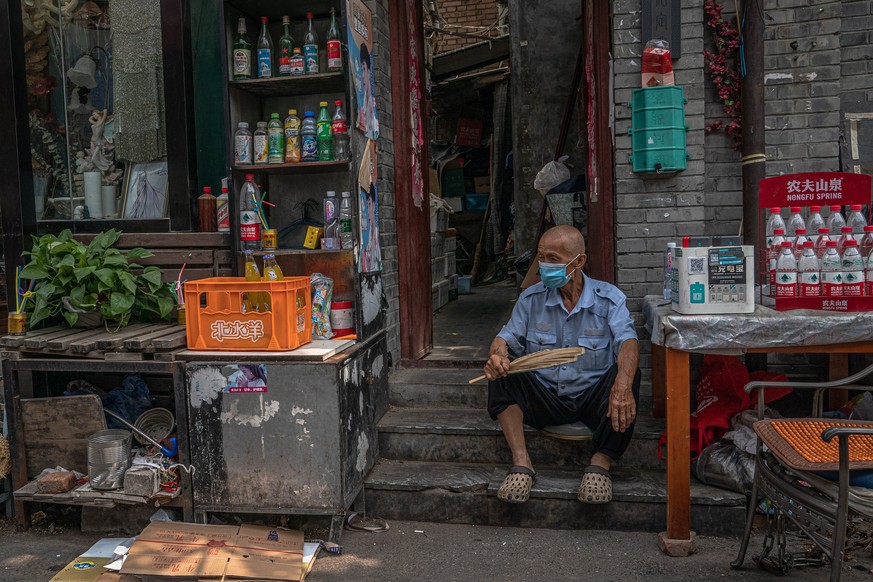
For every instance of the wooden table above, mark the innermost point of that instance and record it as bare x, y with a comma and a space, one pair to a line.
671, 379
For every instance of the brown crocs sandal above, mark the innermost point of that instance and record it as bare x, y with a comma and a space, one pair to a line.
516, 486
596, 486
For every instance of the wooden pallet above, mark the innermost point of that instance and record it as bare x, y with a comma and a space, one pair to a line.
139, 341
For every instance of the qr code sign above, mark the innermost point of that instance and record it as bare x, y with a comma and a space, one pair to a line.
697, 266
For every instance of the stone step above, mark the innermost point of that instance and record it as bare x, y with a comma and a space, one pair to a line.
462, 435
467, 493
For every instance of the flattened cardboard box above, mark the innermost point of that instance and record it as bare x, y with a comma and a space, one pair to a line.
209, 551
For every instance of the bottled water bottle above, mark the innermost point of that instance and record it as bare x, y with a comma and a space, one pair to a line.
853, 270
249, 222
799, 241
845, 236
868, 289
786, 272
810, 272
866, 244
331, 239
857, 222
831, 272
773, 252
796, 221
821, 243
309, 138
814, 222
835, 220
775, 221
347, 236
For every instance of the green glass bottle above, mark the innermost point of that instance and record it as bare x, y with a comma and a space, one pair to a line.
242, 53
334, 45
286, 48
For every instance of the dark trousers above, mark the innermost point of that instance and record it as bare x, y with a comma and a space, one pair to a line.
543, 407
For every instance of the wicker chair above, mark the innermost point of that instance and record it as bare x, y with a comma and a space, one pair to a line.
797, 447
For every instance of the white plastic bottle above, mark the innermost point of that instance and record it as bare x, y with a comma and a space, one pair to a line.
814, 222
331, 240
347, 235
845, 236
799, 241
774, 222
857, 222
786, 272
853, 270
242, 145
668, 271
831, 272
261, 145
810, 272
773, 252
835, 220
795, 222
340, 128
866, 244
821, 243
249, 222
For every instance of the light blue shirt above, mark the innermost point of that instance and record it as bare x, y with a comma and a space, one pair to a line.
600, 323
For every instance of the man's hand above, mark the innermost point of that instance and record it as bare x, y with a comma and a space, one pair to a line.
496, 367
622, 406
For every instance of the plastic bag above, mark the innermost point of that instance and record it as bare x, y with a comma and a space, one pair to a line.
723, 465
552, 174
322, 296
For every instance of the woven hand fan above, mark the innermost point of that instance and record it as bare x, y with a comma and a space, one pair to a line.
539, 360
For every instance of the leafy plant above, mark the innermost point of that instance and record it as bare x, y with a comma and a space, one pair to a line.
96, 277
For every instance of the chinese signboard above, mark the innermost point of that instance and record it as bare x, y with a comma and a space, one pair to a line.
815, 188
662, 19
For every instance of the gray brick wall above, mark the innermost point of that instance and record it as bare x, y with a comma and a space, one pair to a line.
856, 51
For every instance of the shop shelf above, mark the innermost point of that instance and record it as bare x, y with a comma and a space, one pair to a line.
319, 83
301, 168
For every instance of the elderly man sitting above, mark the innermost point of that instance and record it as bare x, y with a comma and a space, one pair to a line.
601, 389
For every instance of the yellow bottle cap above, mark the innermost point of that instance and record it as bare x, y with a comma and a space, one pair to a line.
323, 104
292, 112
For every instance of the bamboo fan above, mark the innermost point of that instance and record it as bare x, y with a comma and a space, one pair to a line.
539, 360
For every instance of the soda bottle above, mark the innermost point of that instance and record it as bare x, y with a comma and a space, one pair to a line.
810, 272
276, 140
272, 271
844, 237
786, 272
668, 272
794, 222
286, 48
868, 290
831, 272
249, 223
799, 241
222, 210
310, 48
292, 137
340, 129
835, 220
866, 244
334, 45
242, 145
857, 222
308, 139
265, 52
242, 53
853, 270
773, 252
261, 146
251, 301
324, 134
775, 221
331, 240
298, 65
822, 242
814, 222
347, 240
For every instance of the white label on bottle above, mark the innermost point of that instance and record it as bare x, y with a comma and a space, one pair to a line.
262, 149
810, 284
832, 284
222, 210
853, 283
265, 67
242, 149
786, 284
242, 62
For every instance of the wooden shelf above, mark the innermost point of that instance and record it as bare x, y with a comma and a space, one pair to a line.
317, 84
276, 9
302, 252
301, 168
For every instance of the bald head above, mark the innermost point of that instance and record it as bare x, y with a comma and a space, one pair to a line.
565, 240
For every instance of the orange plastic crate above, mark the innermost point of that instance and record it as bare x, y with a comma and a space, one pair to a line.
216, 322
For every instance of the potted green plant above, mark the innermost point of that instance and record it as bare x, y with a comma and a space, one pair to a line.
97, 280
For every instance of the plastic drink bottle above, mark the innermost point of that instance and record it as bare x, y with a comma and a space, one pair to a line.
310, 48
251, 301
810, 272
822, 242
340, 127
794, 222
275, 140
814, 222
835, 220
786, 272
265, 52
668, 271
866, 244
831, 272
799, 241
260, 144
286, 48
334, 45
331, 240
347, 240
249, 223
324, 134
242, 145
857, 222
845, 236
868, 289
292, 137
242, 53
308, 140
853, 270
773, 252
775, 221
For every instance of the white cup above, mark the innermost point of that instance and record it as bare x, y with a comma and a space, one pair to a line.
109, 201
92, 194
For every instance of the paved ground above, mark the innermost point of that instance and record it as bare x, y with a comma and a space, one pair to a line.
425, 552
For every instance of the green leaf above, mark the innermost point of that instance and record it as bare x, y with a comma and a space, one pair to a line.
120, 303
45, 289
138, 253
127, 281
82, 272
165, 306
72, 317
113, 260
35, 272
106, 277
153, 276
68, 261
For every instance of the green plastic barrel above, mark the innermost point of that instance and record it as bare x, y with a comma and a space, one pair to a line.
658, 129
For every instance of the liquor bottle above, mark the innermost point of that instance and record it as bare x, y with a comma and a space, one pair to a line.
324, 133
265, 52
242, 53
334, 45
298, 64
286, 48
222, 210
310, 48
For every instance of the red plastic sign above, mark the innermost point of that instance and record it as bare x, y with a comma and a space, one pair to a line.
814, 188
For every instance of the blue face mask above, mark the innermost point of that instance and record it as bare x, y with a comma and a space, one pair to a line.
555, 275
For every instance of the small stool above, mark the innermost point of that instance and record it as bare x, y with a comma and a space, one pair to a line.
576, 431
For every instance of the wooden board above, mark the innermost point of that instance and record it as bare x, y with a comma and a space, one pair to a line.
173, 340
145, 340
16, 340
63, 342
55, 431
316, 350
